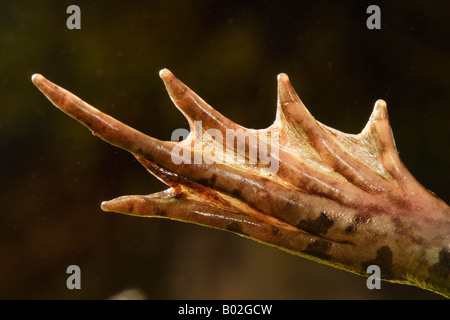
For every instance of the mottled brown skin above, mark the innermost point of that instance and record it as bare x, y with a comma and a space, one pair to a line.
340, 199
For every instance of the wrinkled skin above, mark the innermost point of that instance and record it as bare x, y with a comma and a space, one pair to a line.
340, 199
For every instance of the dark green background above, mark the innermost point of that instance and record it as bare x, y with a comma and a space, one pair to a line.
54, 173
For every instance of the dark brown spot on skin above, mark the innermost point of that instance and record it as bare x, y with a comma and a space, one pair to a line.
213, 179
275, 231
383, 260
405, 229
236, 193
161, 213
316, 226
441, 269
351, 228
356, 220
235, 227
179, 195
318, 249
360, 218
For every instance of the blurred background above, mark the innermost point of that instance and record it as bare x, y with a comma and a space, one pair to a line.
54, 174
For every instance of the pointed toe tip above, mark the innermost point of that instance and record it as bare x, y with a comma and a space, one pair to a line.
165, 74
286, 92
283, 77
123, 204
174, 87
114, 205
105, 206
36, 78
379, 111
380, 103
